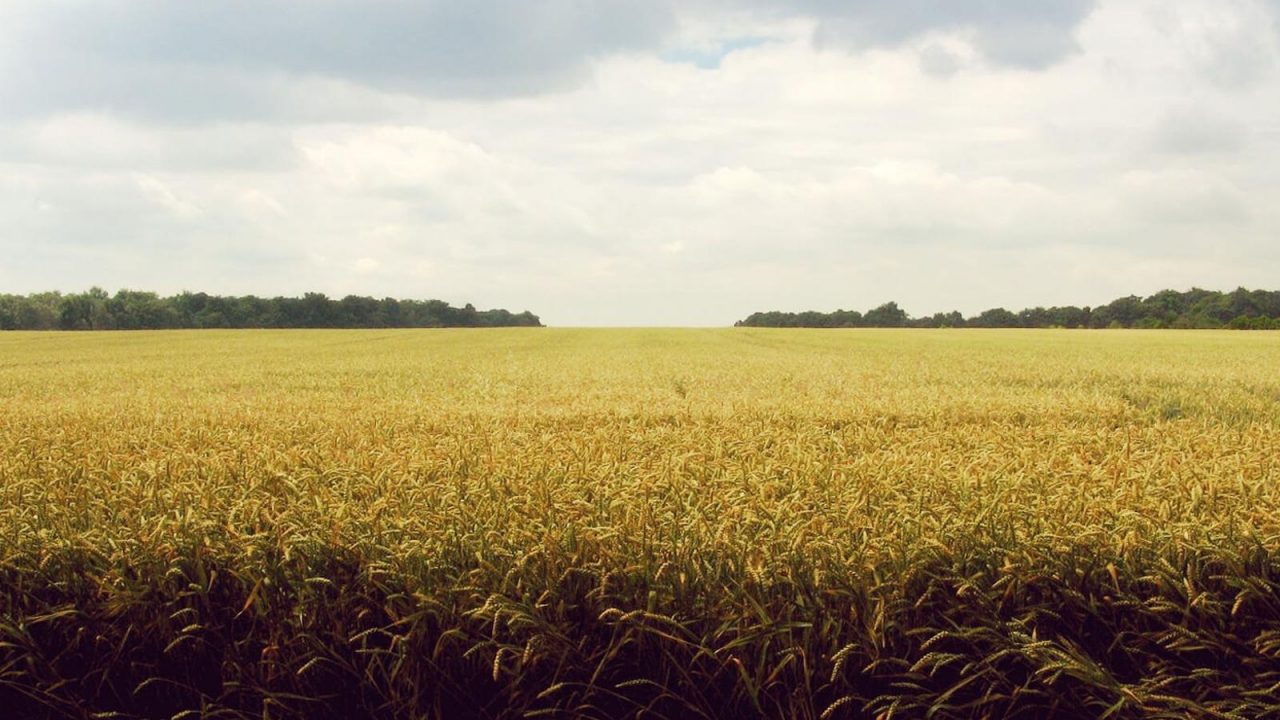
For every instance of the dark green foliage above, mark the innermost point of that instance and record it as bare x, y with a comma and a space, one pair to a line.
887, 315
977, 632
134, 310
995, 317
1240, 309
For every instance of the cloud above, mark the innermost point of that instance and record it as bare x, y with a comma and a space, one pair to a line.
1031, 34
194, 61
1183, 197
163, 196
103, 141
1199, 132
242, 60
648, 164
1232, 43
709, 55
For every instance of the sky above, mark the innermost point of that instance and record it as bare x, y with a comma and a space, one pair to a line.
643, 162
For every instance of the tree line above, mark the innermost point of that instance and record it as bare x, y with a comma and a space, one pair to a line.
95, 309
1240, 309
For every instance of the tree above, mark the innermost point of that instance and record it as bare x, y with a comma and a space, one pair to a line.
887, 315
995, 318
316, 311
85, 311
135, 310
952, 319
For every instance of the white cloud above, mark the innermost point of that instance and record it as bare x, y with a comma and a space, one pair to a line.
1182, 197
160, 194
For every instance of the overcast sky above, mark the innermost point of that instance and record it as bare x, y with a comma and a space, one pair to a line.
643, 162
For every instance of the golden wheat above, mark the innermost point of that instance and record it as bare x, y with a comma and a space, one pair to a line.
628, 522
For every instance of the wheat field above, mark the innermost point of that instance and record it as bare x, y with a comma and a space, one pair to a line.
568, 523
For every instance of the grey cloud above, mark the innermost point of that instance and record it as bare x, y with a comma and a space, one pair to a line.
1194, 132
1236, 49
1239, 60
939, 61
401, 45
303, 60
1030, 34
192, 61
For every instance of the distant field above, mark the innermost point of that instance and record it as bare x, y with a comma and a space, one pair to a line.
659, 523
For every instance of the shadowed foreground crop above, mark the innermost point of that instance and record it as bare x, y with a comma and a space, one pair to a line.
618, 523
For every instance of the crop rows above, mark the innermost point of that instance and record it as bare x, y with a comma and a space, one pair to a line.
640, 523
